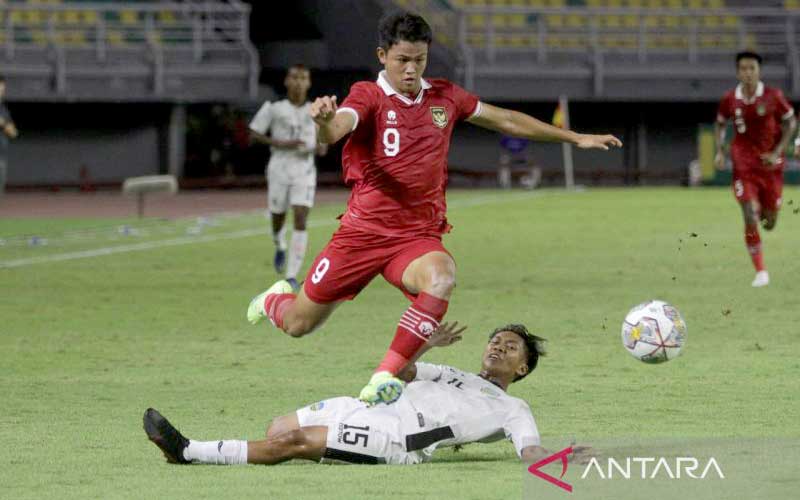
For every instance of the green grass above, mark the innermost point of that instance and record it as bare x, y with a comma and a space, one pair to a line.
88, 344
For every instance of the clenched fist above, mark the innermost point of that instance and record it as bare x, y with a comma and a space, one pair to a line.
323, 109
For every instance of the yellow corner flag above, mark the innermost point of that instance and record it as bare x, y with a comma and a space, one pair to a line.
558, 117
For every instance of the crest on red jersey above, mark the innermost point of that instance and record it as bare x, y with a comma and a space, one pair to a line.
761, 110
439, 115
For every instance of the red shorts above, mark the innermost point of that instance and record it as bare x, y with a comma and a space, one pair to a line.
764, 186
352, 258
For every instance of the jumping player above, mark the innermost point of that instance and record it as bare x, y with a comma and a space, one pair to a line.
291, 174
764, 123
442, 406
395, 161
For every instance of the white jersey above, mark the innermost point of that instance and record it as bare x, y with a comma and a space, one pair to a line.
445, 406
284, 121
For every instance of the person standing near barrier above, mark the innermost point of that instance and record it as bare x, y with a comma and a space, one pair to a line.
9, 131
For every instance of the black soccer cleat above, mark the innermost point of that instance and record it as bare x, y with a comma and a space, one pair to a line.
165, 436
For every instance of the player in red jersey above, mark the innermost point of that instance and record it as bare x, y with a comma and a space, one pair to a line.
764, 123
395, 161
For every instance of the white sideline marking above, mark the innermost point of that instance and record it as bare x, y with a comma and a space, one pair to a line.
244, 233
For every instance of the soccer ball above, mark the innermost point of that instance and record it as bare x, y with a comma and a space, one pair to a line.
654, 332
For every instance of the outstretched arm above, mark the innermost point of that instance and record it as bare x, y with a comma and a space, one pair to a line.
518, 124
447, 334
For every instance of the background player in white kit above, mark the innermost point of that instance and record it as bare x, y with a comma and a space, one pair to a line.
441, 406
286, 126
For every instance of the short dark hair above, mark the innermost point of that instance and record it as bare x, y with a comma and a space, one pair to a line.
533, 343
403, 26
299, 67
2, 79
748, 54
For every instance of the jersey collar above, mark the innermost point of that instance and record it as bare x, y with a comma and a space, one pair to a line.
759, 92
383, 83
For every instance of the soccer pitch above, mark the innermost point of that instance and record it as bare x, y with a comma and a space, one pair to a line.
90, 341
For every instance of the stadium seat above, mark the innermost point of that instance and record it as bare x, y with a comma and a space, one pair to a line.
476, 21
791, 4
129, 17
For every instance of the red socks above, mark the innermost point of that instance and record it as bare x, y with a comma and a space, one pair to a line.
275, 304
753, 241
413, 330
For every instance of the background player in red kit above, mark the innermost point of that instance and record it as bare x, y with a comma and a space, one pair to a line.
395, 161
764, 123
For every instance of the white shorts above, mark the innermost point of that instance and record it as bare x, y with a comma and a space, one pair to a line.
281, 196
358, 433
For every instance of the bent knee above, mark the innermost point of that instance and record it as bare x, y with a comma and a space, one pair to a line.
442, 283
278, 426
295, 437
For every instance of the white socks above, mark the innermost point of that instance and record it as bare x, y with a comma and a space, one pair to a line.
229, 452
279, 238
297, 252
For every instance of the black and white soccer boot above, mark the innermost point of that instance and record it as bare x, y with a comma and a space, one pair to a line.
165, 436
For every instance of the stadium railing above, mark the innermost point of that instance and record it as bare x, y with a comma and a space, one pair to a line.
72, 43
591, 39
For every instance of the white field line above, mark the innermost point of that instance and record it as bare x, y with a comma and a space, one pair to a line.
244, 233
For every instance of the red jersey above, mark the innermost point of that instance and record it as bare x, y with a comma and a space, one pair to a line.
757, 122
395, 160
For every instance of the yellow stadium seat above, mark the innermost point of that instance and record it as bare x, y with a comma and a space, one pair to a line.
70, 17
499, 20
634, 4
730, 21
516, 20
89, 16
614, 4
671, 22
575, 21
477, 21
630, 21
129, 17
695, 4
39, 37
791, 4
555, 20
36, 17
651, 21
654, 4
115, 37
610, 21
716, 4
675, 4
166, 17
710, 22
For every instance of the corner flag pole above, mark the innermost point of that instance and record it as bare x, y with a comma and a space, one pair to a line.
566, 148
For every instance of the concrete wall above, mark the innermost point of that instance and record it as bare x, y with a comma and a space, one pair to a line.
112, 141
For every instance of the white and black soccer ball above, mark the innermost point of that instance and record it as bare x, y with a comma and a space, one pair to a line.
654, 332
